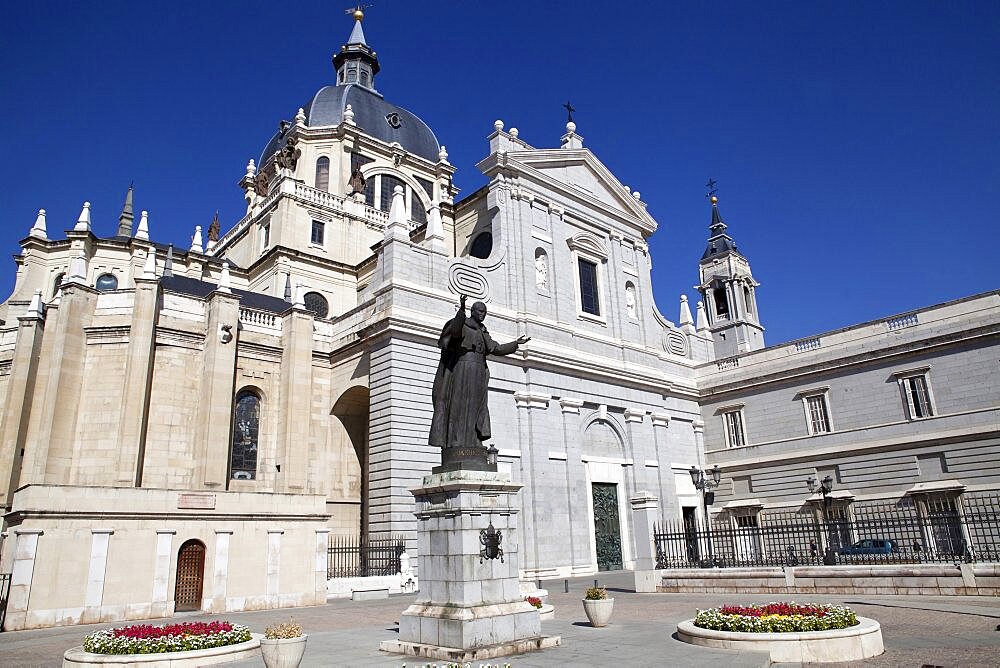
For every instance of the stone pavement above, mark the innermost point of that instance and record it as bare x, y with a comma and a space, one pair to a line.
918, 631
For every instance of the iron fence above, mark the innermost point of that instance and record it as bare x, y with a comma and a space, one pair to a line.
873, 533
363, 556
4, 595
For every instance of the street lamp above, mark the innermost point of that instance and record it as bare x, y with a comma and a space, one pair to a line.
491, 455
706, 484
825, 488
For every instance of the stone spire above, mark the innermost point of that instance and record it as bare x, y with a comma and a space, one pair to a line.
719, 241
143, 231
702, 324
35, 308
126, 217
168, 264
687, 322
225, 281
196, 246
38, 229
356, 62
396, 227
435, 229
83, 222
149, 268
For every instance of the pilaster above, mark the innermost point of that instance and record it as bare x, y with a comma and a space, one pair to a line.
17, 407
296, 390
138, 377
218, 375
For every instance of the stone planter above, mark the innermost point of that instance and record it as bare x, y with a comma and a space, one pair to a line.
599, 611
851, 644
283, 652
201, 657
547, 611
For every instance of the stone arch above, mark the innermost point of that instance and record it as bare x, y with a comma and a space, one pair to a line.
350, 436
602, 436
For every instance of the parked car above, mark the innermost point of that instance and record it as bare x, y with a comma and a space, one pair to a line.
871, 546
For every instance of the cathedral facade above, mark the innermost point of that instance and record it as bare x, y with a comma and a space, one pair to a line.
221, 410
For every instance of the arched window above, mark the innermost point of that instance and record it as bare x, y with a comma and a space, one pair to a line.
56, 282
106, 283
482, 245
246, 430
316, 303
323, 173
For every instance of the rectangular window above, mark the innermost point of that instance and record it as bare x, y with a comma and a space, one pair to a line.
918, 399
735, 436
589, 299
427, 186
819, 421
265, 237
317, 233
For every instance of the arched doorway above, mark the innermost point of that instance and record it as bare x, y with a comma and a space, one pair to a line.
351, 410
190, 575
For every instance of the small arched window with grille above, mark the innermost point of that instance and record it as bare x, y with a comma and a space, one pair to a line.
246, 435
106, 283
316, 303
323, 173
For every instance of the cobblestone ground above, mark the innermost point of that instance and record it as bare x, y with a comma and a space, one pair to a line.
918, 631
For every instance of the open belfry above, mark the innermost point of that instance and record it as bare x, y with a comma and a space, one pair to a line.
189, 427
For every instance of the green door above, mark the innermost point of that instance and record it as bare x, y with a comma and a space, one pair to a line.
607, 530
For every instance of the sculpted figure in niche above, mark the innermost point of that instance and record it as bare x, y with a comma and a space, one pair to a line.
541, 271
461, 415
630, 301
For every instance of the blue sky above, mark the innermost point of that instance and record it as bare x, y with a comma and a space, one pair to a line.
855, 144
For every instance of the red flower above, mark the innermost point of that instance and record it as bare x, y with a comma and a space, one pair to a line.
141, 631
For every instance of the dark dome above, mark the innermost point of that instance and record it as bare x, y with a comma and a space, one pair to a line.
372, 113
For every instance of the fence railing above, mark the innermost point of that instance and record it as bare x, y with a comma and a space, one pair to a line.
4, 595
363, 556
874, 534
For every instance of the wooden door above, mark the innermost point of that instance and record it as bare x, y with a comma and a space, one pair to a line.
190, 576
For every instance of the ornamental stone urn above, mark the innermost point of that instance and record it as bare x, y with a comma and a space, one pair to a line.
598, 610
283, 652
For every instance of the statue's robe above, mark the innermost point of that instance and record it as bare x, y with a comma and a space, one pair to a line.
461, 384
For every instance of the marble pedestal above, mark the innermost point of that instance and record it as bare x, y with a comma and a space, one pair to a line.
469, 608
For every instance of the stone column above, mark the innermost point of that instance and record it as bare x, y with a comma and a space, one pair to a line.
25, 549
100, 538
644, 515
296, 393
138, 377
576, 481
322, 543
17, 407
273, 566
162, 606
218, 373
220, 571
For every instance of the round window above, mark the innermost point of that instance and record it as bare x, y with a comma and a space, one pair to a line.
316, 303
106, 283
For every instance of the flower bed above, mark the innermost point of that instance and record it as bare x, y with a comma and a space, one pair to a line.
535, 601
776, 618
148, 639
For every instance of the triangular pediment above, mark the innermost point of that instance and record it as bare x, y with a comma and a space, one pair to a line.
584, 175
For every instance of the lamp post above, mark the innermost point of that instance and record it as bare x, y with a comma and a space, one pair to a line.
706, 484
825, 487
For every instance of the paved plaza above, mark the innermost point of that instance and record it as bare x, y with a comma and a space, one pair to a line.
918, 631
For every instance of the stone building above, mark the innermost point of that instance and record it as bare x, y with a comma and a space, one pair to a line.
186, 427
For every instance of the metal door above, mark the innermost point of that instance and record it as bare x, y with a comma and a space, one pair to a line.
190, 576
607, 529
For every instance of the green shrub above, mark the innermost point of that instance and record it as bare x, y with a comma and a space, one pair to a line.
283, 631
596, 594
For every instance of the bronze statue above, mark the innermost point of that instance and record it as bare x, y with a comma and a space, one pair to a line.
357, 181
213, 229
461, 419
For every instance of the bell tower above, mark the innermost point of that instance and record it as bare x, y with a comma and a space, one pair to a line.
729, 290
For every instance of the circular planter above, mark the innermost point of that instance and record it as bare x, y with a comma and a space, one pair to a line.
283, 652
851, 644
200, 657
598, 611
547, 611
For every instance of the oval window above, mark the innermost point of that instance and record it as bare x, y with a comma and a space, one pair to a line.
482, 246
106, 283
316, 303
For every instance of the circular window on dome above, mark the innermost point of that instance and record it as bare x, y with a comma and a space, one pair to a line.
106, 283
316, 303
393, 120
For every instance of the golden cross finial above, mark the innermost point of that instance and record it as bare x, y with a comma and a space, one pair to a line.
357, 11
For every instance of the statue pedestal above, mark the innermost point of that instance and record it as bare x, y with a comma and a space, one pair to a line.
469, 607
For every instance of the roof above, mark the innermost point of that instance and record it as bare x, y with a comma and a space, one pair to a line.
202, 289
718, 241
372, 114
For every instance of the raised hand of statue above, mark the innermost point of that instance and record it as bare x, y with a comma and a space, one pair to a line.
521, 340
461, 302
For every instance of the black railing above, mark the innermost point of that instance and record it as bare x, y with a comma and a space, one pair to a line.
872, 533
363, 556
4, 595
